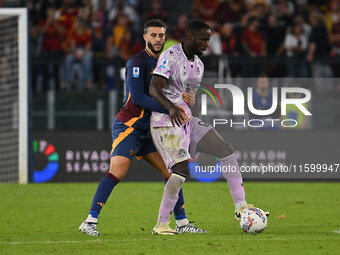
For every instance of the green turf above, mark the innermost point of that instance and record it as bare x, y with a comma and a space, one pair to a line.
44, 219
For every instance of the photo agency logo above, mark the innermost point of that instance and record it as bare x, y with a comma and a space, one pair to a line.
204, 96
260, 117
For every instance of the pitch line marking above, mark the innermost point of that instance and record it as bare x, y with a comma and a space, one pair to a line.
53, 242
337, 231
139, 240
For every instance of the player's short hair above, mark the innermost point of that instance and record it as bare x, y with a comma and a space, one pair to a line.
195, 26
153, 23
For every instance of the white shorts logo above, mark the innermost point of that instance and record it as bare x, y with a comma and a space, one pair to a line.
135, 72
182, 153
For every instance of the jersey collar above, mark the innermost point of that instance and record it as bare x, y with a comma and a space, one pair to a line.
186, 55
149, 54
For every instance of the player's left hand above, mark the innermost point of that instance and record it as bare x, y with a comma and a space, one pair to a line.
188, 98
178, 115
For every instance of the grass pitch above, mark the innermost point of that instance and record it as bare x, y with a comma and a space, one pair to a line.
44, 219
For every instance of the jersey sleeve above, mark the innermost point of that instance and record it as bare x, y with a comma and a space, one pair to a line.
165, 64
135, 80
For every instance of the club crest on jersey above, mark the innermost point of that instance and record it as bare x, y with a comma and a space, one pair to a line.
135, 72
163, 65
197, 70
182, 153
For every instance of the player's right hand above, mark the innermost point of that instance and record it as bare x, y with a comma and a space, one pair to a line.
178, 116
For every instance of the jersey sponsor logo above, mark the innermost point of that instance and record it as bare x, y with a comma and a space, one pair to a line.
135, 72
163, 65
182, 153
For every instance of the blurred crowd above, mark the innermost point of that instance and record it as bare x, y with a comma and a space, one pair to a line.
79, 31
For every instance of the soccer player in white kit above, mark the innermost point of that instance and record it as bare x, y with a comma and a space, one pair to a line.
179, 71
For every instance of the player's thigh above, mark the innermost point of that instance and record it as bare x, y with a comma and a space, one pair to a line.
155, 160
198, 129
181, 168
145, 146
172, 143
125, 142
119, 166
150, 154
212, 143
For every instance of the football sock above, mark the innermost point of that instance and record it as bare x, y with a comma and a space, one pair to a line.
234, 178
179, 211
170, 197
182, 222
103, 192
240, 205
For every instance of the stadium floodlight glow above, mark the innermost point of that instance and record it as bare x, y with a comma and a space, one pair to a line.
14, 34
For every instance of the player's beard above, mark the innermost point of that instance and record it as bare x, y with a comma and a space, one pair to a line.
153, 49
195, 48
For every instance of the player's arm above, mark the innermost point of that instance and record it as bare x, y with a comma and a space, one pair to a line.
177, 115
137, 90
139, 97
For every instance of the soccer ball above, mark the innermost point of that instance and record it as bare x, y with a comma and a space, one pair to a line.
253, 220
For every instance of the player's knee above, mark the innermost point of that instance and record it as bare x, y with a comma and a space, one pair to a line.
225, 150
181, 168
119, 166
118, 174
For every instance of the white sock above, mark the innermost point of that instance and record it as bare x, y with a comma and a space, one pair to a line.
170, 197
91, 219
182, 222
240, 205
